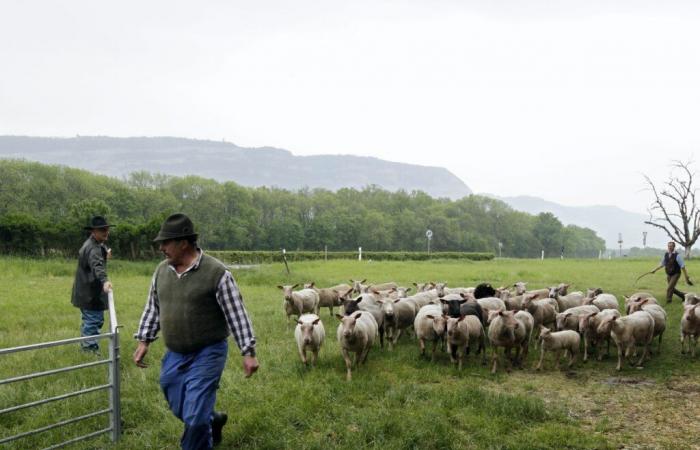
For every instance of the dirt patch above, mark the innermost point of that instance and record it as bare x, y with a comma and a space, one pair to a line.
631, 412
628, 381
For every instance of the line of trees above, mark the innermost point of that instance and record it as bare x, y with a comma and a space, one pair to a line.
43, 209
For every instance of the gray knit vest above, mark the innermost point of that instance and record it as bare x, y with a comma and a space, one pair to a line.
190, 317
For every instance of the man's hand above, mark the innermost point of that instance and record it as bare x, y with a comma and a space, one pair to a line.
140, 354
250, 365
107, 286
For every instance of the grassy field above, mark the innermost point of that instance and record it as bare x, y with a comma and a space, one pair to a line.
398, 400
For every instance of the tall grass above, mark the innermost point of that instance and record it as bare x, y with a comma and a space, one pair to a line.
398, 400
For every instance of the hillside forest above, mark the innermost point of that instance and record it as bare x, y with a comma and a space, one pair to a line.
43, 209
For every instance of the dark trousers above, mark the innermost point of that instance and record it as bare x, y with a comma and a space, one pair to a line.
189, 382
671, 289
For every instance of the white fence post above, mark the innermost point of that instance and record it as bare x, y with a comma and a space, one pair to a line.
359, 257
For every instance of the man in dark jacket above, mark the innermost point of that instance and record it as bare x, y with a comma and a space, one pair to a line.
91, 285
673, 264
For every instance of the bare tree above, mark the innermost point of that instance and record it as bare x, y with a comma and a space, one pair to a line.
674, 208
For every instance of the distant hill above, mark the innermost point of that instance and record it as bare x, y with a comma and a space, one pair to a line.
224, 161
606, 221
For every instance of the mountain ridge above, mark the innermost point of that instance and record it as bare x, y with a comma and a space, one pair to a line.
225, 161
608, 221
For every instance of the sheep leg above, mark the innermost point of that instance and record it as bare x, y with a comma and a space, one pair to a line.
539, 364
658, 351
644, 354
398, 334
460, 354
619, 357
315, 357
585, 349
348, 364
482, 347
302, 355
683, 345
421, 341
365, 353
452, 350
573, 357
381, 336
557, 356
494, 359
432, 355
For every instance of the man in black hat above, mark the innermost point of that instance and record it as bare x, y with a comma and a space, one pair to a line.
196, 303
91, 285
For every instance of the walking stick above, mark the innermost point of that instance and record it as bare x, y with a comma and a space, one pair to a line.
642, 276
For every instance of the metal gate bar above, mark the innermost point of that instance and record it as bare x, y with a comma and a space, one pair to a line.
113, 385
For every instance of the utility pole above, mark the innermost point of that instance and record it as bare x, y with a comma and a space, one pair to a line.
429, 235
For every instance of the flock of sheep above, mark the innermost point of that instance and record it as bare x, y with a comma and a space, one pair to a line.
466, 319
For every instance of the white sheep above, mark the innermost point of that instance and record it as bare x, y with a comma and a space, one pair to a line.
443, 290
430, 326
357, 286
542, 311
569, 319
566, 341
588, 327
508, 331
628, 331
691, 298
399, 314
425, 298
309, 334
690, 329
299, 302
488, 304
657, 312
637, 296
566, 301
603, 301
356, 333
423, 287
461, 332
328, 297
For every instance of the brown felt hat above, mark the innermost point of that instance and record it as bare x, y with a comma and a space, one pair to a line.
177, 226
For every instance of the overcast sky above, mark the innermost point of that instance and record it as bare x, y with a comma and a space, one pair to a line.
569, 101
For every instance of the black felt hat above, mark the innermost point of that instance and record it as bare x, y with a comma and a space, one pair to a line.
98, 222
177, 226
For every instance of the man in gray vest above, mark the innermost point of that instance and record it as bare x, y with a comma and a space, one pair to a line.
673, 264
196, 303
91, 285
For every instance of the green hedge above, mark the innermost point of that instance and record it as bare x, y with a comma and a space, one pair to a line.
257, 257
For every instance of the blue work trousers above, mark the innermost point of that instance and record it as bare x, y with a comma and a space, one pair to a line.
92, 321
189, 382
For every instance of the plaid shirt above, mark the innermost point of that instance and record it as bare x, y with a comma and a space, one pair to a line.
227, 295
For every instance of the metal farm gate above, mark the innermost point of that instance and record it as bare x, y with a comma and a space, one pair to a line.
112, 385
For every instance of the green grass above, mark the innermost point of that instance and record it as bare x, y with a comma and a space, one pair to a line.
398, 400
